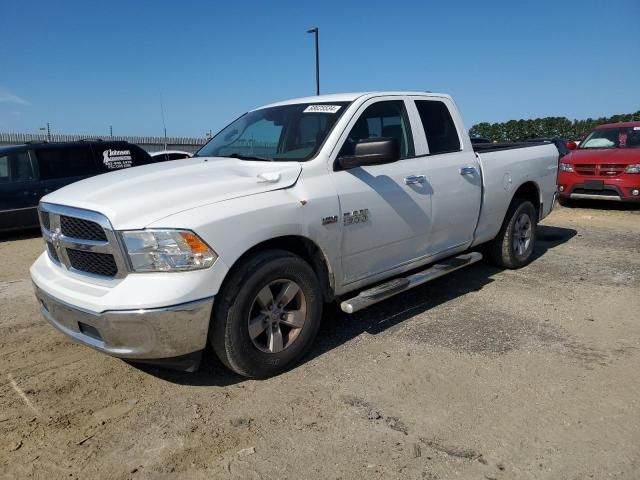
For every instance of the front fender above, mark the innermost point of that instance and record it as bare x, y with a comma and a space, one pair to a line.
233, 227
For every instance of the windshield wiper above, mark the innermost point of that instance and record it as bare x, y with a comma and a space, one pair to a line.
249, 157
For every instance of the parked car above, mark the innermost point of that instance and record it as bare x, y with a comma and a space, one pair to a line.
165, 155
350, 198
606, 165
30, 171
560, 143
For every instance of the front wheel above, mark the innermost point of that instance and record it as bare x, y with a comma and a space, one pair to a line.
267, 314
514, 244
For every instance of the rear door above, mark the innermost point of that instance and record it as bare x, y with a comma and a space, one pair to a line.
19, 193
453, 174
60, 165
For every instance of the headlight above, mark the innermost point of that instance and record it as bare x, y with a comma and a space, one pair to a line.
566, 167
167, 250
633, 168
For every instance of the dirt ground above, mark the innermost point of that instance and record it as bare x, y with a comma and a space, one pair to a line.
484, 374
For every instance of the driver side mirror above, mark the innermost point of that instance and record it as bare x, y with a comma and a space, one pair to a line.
371, 151
571, 145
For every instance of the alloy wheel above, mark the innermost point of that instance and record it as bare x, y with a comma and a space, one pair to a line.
277, 316
522, 231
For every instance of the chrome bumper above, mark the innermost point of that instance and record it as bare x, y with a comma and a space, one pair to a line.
134, 334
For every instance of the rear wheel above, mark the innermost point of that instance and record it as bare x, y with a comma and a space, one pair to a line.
266, 315
513, 246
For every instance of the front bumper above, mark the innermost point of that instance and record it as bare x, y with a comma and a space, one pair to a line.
617, 189
141, 334
608, 192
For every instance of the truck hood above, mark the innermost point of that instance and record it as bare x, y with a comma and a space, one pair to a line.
620, 156
133, 198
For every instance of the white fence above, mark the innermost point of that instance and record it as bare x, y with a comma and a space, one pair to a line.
151, 144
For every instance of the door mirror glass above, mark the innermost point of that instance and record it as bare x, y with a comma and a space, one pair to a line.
371, 151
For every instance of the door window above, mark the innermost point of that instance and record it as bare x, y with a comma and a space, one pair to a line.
438, 125
386, 119
15, 167
4, 168
65, 162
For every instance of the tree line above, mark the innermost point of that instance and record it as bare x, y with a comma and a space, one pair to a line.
518, 130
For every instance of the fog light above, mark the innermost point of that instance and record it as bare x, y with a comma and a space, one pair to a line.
635, 192
561, 188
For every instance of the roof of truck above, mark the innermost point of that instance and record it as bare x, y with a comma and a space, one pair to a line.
346, 97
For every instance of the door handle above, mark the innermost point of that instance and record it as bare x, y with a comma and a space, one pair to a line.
414, 179
468, 171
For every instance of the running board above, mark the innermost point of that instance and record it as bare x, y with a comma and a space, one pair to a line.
402, 284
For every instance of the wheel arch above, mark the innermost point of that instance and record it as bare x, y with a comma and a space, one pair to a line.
303, 247
529, 190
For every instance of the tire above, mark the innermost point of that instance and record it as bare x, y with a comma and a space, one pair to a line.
252, 336
513, 246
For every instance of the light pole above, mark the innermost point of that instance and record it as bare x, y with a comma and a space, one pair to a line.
315, 32
48, 130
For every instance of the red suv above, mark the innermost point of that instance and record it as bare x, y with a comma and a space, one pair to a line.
606, 165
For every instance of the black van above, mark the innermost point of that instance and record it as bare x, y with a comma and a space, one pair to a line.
30, 171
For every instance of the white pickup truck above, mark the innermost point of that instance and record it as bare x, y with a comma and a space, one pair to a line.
348, 198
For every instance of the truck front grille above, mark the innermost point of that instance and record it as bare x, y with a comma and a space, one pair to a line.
96, 263
52, 251
44, 220
83, 229
81, 241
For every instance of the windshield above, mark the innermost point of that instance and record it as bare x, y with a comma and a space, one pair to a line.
284, 133
622, 137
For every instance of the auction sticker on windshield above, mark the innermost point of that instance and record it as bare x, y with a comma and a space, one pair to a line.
321, 109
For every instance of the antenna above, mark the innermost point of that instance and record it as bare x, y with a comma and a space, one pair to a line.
164, 125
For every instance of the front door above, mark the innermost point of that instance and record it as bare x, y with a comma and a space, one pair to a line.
385, 210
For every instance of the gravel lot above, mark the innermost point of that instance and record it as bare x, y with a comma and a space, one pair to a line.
484, 374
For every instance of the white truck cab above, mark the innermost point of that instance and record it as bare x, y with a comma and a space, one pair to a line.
298, 203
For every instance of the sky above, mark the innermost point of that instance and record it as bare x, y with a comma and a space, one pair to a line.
86, 65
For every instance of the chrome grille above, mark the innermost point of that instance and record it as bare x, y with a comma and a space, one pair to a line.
44, 220
52, 251
83, 229
82, 241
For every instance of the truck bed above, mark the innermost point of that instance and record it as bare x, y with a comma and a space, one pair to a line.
504, 167
492, 147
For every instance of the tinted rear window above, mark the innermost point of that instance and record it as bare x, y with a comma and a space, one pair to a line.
438, 126
65, 162
15, 167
